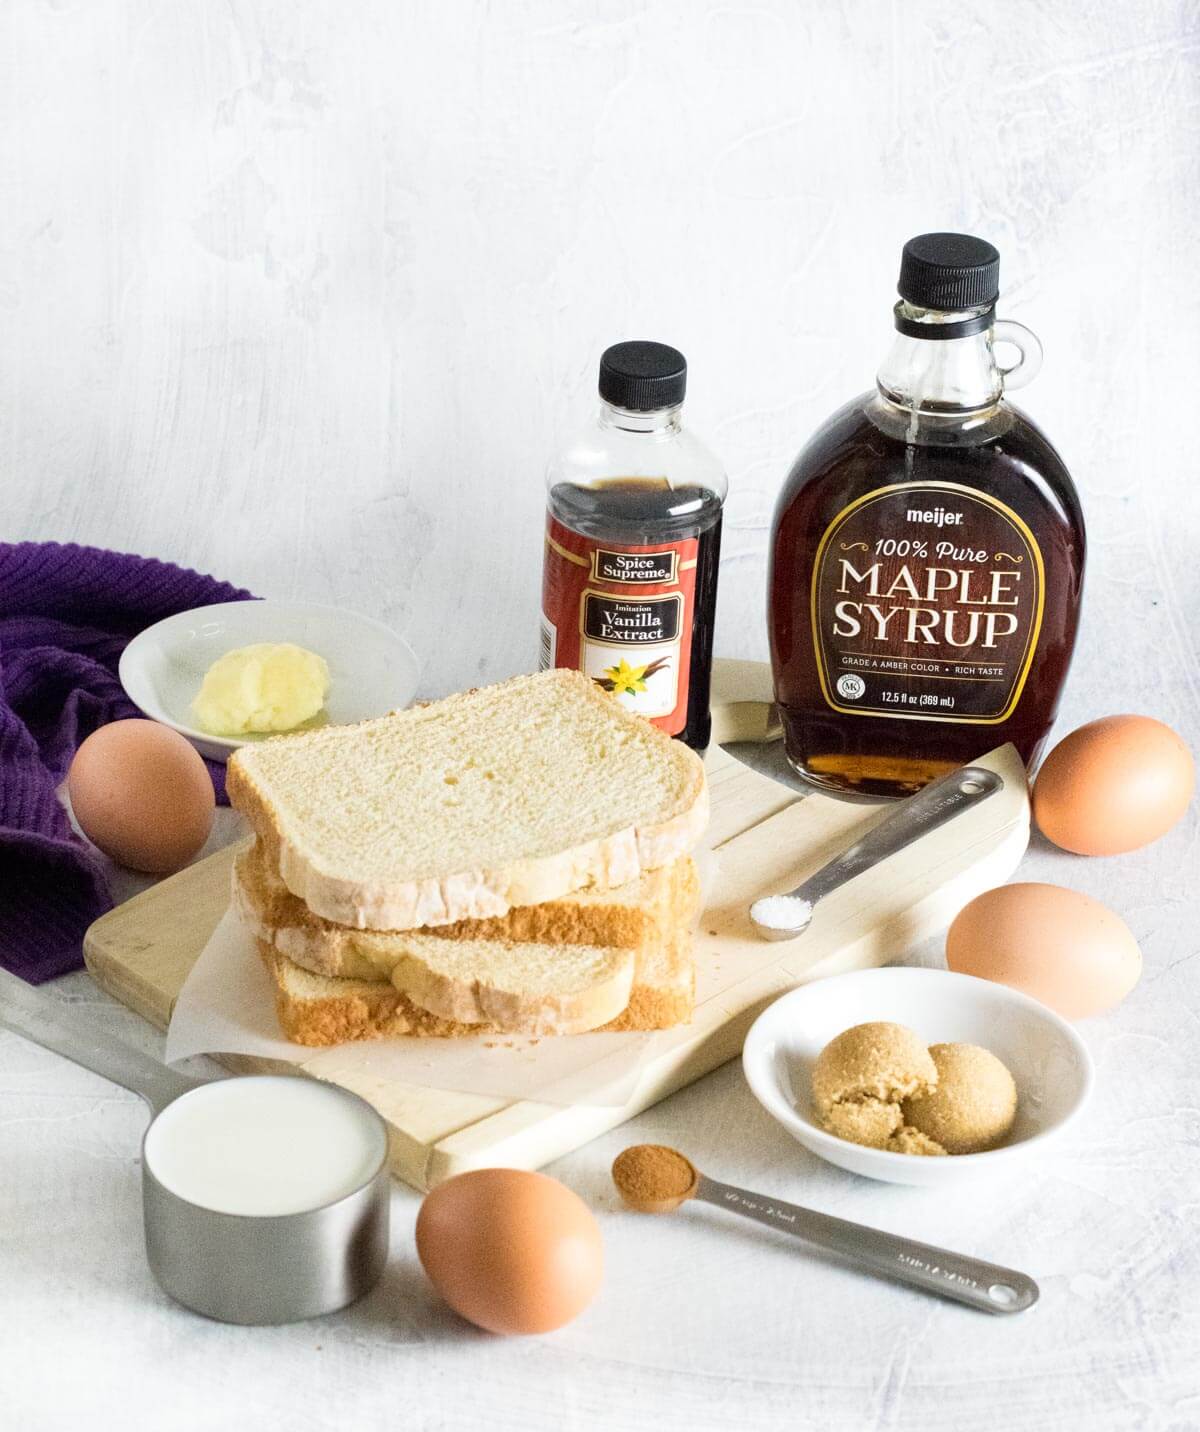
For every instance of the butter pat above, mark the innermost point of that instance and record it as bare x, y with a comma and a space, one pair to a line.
270, 686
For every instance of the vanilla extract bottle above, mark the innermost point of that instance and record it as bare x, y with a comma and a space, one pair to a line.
633, 544
927, 552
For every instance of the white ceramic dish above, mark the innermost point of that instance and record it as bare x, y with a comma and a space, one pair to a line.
372, 670
1047, 1058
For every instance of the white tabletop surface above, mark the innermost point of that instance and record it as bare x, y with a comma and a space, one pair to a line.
703, 1322
304, 294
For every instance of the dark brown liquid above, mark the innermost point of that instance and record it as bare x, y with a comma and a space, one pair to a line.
847, 458
638, 512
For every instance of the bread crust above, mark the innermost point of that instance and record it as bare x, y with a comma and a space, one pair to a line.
659, 1006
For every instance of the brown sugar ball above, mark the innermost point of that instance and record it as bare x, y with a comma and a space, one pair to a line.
974, 1104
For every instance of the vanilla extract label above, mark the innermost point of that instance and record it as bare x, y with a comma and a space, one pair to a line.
927, 603
623, 616
631, 623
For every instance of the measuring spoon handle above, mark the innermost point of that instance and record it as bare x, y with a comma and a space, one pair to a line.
986, 1286
53, 1025
908, 821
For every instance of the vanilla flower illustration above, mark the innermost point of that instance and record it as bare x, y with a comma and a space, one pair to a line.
623, 678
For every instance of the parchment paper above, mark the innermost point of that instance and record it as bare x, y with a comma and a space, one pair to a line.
227, 1007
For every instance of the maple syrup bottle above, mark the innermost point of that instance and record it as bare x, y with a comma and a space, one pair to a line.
633, 543
927, 554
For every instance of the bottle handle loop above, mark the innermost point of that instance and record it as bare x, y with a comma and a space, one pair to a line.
1027, 344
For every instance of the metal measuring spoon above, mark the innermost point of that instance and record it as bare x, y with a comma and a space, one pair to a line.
783, 917
654, 1179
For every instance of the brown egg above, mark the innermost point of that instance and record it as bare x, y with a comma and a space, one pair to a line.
510, 1251
1062, 947
1113, 785
142, 794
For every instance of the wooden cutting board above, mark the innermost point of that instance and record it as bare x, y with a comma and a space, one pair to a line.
765, 837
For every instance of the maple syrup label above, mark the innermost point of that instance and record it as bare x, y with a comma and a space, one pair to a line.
623, 616
927, 604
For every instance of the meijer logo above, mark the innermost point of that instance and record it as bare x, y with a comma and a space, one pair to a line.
937, 516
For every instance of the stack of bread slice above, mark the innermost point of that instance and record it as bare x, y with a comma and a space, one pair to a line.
514, 859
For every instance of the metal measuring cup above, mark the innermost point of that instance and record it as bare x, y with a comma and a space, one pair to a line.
235, 1267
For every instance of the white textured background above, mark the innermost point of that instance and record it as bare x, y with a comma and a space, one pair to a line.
304, 293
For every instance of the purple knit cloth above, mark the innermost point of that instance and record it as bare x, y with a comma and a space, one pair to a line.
66, 614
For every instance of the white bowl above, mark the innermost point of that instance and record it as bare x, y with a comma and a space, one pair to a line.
371, 669
1048, 1061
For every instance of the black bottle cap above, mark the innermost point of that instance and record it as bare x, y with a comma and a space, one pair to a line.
643, 376
949, 272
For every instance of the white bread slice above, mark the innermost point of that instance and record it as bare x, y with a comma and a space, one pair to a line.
509, 795
319, 1010
640, 916
517, 988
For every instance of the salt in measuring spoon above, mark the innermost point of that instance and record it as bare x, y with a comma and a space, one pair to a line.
783, 917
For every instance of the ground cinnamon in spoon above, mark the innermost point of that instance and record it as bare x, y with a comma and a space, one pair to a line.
653, 1178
